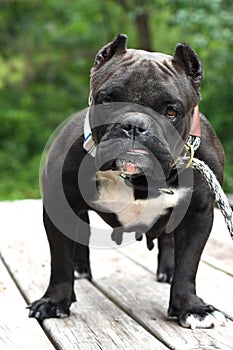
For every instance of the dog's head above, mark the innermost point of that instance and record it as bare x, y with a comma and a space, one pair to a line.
141, 107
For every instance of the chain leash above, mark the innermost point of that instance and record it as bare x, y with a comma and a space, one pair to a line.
220, 197
215, 187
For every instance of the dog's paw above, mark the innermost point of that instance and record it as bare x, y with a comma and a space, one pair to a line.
164, 277
117, 236
82, 271
202, 319
138, 236
165, 272
46, 308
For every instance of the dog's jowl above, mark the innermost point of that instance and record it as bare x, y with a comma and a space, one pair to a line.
118, 158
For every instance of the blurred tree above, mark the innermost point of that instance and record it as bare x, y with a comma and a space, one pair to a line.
208, 25
140, 13
47, 50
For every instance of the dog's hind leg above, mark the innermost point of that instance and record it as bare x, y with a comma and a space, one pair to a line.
165, 258
82, 267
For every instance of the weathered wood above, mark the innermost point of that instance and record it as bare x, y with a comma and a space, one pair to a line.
135, 290
230, 199
214, 286
219, 255
126, 276
17, 331
219, 249
95, 323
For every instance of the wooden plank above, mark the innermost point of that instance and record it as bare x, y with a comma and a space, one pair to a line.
131, 286
219, 249
16, 330
96, 323
135, 290
214, 286
219, 255
230, 199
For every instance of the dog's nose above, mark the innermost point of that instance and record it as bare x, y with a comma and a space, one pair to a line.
133, 131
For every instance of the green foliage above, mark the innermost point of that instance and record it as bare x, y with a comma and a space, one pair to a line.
47, 50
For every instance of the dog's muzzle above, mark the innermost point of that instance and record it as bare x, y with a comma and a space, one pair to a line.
132, 143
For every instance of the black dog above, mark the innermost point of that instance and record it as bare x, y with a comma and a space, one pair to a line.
142, 108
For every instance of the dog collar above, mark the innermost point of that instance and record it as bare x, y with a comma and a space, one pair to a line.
88, 143
194, 138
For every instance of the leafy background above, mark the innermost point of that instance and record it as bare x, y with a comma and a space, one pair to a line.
47, 50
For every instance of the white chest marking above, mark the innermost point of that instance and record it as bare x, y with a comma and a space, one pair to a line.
118, 198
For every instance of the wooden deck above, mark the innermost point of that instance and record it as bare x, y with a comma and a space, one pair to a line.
123, 308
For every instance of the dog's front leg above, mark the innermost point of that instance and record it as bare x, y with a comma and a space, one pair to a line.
59, 295
190, 238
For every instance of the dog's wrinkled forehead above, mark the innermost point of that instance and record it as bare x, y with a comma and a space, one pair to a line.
139, 76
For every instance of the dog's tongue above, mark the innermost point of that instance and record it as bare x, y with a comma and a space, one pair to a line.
130, 168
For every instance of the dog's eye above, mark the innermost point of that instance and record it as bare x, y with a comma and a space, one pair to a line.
171, 113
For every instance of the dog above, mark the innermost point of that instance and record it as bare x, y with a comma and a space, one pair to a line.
118, 158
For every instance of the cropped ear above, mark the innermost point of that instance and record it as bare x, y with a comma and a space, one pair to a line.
117, 46
186, 58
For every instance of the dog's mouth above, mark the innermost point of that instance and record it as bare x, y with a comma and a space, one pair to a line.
127, 167
132, 163
135, 167
131, 166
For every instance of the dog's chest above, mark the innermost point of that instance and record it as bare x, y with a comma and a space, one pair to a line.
118, 198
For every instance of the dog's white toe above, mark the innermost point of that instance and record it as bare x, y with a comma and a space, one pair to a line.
209, 320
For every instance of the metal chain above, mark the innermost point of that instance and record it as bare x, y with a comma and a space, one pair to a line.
188, 160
